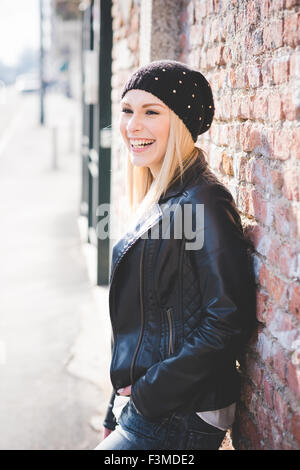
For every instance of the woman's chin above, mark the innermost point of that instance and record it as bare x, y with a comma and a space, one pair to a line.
138, 160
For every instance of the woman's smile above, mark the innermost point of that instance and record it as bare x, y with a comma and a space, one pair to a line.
141, 145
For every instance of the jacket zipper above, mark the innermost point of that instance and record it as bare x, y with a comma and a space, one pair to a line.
142, 316
171, 339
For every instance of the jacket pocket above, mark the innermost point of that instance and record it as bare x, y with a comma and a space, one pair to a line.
170, 329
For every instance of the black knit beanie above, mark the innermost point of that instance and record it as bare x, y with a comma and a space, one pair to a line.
182, 88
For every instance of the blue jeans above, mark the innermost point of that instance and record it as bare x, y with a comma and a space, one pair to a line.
178, 431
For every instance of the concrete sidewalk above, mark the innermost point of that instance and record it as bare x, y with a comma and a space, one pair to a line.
54, 323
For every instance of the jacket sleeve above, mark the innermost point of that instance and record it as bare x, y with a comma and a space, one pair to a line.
226, 314
110, 420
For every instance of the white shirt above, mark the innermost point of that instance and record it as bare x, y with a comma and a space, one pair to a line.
222, 418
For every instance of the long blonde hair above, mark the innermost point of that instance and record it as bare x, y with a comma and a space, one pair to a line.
142, 190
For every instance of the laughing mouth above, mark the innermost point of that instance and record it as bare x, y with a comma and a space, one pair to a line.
139, 144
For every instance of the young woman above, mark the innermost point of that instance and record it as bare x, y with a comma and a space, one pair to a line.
182, 293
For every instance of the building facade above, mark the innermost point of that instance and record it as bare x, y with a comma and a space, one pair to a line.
249, 52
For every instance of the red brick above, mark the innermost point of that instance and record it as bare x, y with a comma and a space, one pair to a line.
281, 70
280, 360
250, 137
225, 107
291, 34
276, 181
296, 427
265, 7
260, 238
260, 106
254, 371
282, 144
215, 161
259, 207
290, 105
254, 76
201, 10
275, 107
293, 378
231, 135
273, 34
295, 65
190, 17
251, 12
195, 36
295, 357
276, 5
245, 107
268, 141
268, 388
265, 349
295, 144
134, 20
133, 41
248, 397
267, 72
291, 187
287, 259
294, 305
283, 328
277, 437
253, 45
291, 3
273, 254
242, 77
223, 135
262, 300
215, 29
282, 411
263, 420
227, 164
286, 219
260, 174
236, 105
249, 430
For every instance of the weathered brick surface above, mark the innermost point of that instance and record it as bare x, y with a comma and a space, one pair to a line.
249, 52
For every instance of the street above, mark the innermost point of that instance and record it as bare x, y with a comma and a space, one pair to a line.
54, 330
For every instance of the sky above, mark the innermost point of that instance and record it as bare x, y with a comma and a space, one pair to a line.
19, 28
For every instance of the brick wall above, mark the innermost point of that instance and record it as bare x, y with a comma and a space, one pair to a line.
125, 59
249, 51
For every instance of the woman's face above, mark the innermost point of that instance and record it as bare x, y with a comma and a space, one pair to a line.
144, 119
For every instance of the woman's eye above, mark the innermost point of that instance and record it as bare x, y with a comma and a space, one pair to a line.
126, 110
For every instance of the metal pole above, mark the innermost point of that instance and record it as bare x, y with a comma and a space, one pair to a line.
41, 65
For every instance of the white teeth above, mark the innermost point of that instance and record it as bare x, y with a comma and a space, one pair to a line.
140, 143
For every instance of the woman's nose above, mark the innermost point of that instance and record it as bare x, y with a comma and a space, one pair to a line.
134, 123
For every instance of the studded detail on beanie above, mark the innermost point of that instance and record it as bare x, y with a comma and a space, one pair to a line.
182, 88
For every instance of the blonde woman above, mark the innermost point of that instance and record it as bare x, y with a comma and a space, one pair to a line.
182, 293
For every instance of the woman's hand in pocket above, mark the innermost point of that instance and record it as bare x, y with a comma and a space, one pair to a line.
106, 432
125, 392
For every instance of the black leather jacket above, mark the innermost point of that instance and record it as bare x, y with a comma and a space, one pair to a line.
181, 316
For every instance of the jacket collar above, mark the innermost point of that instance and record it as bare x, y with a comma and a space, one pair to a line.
180, 185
